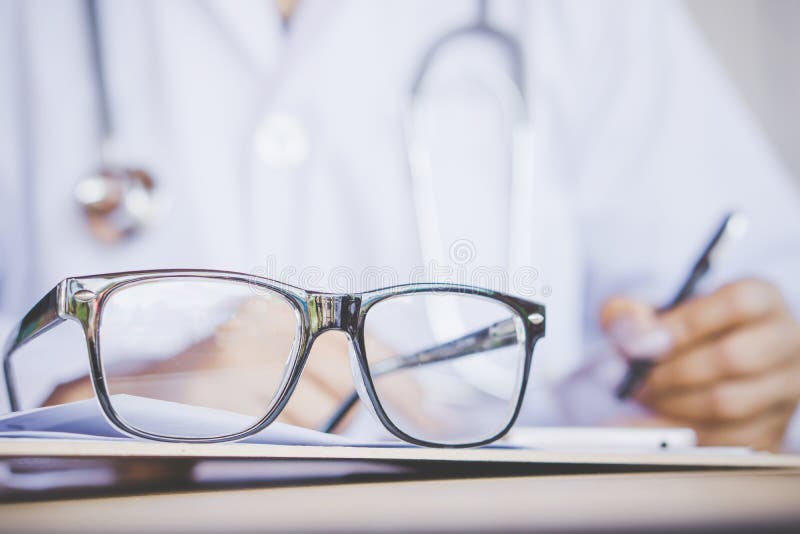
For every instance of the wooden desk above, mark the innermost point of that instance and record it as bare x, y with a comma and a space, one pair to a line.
752, 499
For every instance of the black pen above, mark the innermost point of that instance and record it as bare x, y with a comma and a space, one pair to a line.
733, 226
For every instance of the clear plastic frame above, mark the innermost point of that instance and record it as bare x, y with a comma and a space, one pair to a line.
522, 324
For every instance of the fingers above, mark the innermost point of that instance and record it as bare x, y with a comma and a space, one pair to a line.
729, 400
79, 389
731, 306
730, 365
764, 432
324, 383
620, 308
648, 421
640, 332
309, 406
328, 365
748, 351
761, 433
634, 328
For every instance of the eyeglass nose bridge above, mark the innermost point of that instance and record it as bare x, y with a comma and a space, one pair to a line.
333, 312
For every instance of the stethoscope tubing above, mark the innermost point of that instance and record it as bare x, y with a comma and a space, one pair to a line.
445, 317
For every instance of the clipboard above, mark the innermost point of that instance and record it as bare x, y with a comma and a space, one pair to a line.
37, 469
699, 457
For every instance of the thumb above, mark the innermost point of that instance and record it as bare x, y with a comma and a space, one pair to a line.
634, 328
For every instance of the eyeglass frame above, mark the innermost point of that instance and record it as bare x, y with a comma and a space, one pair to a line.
82, 299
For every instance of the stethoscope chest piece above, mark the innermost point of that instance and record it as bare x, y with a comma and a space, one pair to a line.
116, 201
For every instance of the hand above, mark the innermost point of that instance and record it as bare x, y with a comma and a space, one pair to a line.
728, 363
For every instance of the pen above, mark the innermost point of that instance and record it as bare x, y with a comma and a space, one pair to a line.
733, 227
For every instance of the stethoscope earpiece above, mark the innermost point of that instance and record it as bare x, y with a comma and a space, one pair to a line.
117, 201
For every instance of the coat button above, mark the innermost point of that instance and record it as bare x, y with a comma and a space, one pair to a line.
281, 142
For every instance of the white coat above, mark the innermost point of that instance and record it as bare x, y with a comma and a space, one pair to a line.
641, 145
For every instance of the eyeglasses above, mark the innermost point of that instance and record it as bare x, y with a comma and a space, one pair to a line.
439, 365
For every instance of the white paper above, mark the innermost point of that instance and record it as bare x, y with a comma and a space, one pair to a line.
600, 439
85, 420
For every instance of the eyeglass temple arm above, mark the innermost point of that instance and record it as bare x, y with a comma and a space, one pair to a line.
500, 334
41, 318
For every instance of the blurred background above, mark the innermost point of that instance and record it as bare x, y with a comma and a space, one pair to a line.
641, 150
758, 43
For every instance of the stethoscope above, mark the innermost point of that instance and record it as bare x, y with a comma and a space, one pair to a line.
118, 200
444, 316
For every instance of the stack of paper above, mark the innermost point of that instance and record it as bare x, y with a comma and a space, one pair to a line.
85, 420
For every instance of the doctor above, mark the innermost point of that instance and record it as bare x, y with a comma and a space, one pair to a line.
274, 136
